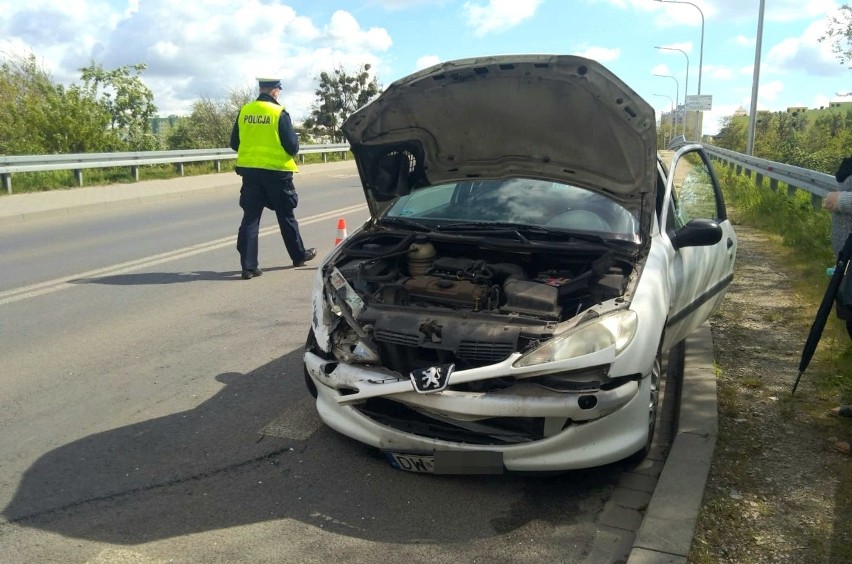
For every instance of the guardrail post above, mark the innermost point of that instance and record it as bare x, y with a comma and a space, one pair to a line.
7, 182
180, 168
816, 202
773, 184
791, 191
759, 180
324, 158
134, 172
748, 173
217, 166
739, 170
78, 175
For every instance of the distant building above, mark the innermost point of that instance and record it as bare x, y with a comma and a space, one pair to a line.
839, 104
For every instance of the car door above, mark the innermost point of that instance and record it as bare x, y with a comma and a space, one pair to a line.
700, 273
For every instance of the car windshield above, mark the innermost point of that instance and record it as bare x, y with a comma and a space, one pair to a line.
521, 202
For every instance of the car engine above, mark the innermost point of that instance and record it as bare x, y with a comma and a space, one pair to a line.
414, 301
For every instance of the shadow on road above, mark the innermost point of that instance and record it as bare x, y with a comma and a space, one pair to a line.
210, 468
147, 278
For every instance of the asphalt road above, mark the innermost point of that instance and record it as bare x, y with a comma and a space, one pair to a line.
152, 409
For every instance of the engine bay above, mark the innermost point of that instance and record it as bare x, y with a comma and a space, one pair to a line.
408, 301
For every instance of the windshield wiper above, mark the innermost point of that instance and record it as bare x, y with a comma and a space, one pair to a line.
404, 222
539, 231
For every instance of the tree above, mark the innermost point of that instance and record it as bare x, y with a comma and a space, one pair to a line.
210, 122
40, 117
128, 101
339, 95
839, 33
732, 134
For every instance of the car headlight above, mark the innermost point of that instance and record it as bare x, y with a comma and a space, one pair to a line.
614, 329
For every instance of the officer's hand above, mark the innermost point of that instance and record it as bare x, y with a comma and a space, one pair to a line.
830, 202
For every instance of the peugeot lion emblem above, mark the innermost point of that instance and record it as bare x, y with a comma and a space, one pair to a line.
432, 379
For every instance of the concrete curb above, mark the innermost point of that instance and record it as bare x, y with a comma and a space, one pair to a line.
668, 526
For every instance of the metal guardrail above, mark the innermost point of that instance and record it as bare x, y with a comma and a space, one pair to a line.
77, 162
818, 184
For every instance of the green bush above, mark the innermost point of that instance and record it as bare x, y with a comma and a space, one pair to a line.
792, 217
805, 234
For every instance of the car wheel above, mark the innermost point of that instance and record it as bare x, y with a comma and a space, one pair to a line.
310, 345
653, 408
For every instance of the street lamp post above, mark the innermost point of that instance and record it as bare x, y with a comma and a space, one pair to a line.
671, 116
686, 84
752, 118
700, 52
677, 96
701, 49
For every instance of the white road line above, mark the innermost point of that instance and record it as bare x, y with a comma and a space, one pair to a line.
33, 290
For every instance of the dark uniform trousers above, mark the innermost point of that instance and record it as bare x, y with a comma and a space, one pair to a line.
276, 192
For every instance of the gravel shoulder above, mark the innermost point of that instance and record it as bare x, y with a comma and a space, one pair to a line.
778, 491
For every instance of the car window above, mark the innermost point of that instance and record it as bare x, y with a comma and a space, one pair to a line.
693, 193
521, 201
421, 203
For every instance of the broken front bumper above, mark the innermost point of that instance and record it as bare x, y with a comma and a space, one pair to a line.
571, 429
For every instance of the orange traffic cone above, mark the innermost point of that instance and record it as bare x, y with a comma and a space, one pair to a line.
341, 231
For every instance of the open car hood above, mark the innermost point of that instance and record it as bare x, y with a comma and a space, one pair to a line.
554, 117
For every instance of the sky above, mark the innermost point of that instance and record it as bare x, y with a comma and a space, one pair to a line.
206, 48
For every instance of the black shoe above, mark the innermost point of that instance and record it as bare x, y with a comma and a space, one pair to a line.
249, 274
310, 254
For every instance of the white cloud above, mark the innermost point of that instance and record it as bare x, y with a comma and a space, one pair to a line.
600, 54
767, 94
720, 73
744, 41
427, 61
821, 101
192, 52
394, 5
498, 15
344, 31
713, 118
795, 10
806, 54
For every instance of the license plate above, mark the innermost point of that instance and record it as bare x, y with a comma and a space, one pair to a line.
449, 462
412, 462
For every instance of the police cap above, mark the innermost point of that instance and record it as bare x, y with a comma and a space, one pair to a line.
269, 82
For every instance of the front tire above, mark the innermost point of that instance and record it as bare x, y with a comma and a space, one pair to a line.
655, 378
310, 345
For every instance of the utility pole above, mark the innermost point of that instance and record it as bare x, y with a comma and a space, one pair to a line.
752, 118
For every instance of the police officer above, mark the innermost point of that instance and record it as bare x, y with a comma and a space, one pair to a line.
266, 143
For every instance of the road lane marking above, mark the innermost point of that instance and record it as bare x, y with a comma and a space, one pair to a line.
65, 282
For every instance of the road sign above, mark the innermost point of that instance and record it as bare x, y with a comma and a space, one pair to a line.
699, 102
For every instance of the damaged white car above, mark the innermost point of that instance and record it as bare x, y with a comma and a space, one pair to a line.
528, 262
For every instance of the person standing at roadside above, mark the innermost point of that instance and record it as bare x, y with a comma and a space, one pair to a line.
266, 144
839, 203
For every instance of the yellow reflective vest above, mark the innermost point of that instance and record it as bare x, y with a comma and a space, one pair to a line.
260, 144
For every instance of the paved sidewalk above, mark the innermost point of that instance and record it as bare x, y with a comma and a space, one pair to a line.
665, 529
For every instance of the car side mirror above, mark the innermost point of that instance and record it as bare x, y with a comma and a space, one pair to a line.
697, 233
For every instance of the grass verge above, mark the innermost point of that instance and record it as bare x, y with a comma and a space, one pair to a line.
804, 235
